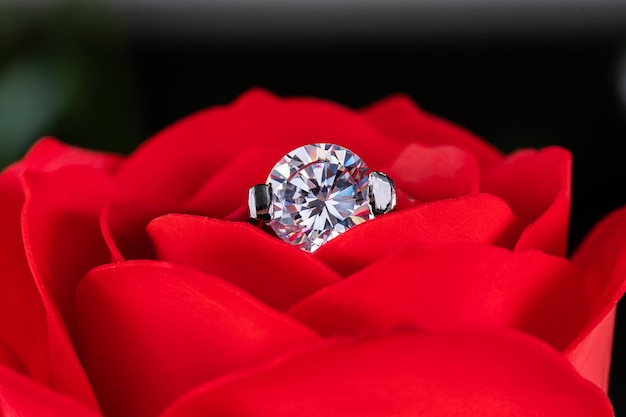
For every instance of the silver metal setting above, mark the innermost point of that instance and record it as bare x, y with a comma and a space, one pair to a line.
382, 192
260, 202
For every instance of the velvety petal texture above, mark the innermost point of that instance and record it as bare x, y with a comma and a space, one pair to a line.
138, 287
123, 227
537, 186
407, 373
602, 261
480, 219
174, 164
400, 118
60, 217
436, 172
21, 397
49, 154
37, 272
21, 301
149, 331
248, 167
10, 359
275, 272
452, 285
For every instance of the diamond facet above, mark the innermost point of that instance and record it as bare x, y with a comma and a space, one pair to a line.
318, 192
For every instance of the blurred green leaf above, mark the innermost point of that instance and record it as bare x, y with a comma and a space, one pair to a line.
64, 71
31, 97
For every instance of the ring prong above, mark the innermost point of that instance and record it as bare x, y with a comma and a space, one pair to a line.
260, 202
382, 193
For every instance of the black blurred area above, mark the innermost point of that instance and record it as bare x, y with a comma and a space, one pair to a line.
514, 90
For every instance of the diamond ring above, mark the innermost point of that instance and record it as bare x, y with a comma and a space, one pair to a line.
318, 191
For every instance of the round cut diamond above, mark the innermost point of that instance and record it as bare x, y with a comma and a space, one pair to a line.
318, 192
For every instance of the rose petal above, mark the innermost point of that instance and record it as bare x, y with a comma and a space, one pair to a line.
435, 173
175, 163
453, 285
239, 214
123, 226
32, 324
537, 186
10, 359
482, 219
601, 258
18, 294
271, 270
228, 188
60, 224
591, 351
406, 373
49, 154
150, 331
21, 397
399, 117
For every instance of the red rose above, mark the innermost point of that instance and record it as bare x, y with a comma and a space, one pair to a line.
134, 287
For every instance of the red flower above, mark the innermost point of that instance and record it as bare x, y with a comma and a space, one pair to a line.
134, 287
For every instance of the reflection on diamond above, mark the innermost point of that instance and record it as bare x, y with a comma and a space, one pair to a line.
318, 192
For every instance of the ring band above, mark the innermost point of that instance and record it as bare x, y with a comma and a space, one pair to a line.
318, 191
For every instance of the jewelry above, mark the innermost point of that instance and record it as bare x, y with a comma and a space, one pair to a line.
318, 191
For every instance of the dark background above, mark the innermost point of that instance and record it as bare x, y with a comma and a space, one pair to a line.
528, 74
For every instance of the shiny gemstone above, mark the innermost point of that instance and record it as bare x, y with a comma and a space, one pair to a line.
318, 192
